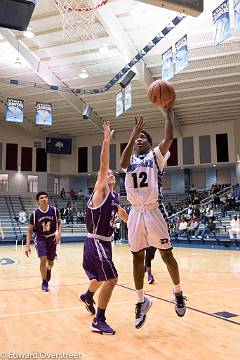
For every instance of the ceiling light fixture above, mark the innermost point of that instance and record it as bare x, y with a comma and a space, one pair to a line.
83, 74
28, 33
104, 48
18, 64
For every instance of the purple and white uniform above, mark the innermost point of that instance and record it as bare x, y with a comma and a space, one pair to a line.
97, 253
45, 226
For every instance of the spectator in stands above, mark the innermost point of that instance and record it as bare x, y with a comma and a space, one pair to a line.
196, 212
216, 201
207, 229
72, 194
170, 209
80, 217
80, 194
192, 226
182, 227
192, 193
196, 199
214, 189
231, 202
62, 193
208, 214
117, 231
235, 227
69, 217
45, 222
190, 212
22, 217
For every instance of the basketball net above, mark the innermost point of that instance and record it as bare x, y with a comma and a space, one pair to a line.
78, 18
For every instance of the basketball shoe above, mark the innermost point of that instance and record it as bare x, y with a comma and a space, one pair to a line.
101, 327
150, 278
89, 303
180, 306
44, 285
141, 312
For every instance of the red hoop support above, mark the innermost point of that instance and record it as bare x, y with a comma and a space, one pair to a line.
69, 9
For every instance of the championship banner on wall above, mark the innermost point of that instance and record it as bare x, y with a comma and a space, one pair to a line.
15, 110
128, 97
181, 48
167, 65
221, 22
236, 7
119, 104
58, 146
43, 113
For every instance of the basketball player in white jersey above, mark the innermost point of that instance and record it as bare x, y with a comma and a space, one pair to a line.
147, 224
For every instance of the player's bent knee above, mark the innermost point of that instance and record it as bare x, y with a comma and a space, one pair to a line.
112, 282
43, 259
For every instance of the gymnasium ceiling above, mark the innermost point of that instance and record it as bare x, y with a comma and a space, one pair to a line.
208, 90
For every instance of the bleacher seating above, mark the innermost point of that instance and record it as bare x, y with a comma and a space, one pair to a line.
10, 206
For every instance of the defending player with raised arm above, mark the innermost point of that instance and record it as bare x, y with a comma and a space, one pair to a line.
147, 223
101, 214
45, 222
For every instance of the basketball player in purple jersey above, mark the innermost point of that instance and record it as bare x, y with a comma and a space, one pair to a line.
147, 223
101, 214
45, 222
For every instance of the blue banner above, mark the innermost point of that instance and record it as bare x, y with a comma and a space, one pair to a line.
167, 65
58, 146
15, 110
221, 23
119, 104
236, 7
128, 97
43, 113
181, 48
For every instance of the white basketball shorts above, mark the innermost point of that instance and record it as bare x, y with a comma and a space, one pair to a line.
147, 227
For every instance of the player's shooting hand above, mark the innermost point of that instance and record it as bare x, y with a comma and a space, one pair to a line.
108, 133
139, 124
169, 107
27, 251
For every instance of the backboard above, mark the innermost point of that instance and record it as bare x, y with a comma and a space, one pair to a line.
188, 7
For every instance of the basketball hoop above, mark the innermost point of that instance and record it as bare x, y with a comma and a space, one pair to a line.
78, 18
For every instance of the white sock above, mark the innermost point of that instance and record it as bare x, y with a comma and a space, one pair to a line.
140, 296
177, 288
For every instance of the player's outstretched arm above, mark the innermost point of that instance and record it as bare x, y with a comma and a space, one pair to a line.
104, 158
167, 141
126, 155
28, 240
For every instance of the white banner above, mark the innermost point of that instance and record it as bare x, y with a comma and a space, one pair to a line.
167, 65
15, 110
181, 48
119, 103
236, 7
43, 113
128, 97
221, 23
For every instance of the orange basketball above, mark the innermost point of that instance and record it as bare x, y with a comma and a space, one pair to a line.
161, 93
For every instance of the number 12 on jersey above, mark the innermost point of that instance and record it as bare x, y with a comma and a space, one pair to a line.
140, 180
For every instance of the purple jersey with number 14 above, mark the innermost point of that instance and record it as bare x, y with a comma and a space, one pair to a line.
45, 222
